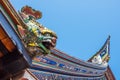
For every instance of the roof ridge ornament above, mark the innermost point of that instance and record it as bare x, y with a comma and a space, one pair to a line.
31, 12
36, 37
103, 55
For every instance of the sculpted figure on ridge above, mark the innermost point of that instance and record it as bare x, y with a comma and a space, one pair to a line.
37, 38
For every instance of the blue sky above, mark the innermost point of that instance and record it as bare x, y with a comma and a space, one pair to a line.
82, 26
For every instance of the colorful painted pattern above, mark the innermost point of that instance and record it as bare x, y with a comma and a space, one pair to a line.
42, 75
55, 64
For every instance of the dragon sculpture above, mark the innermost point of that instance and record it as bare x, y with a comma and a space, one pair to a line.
36, 37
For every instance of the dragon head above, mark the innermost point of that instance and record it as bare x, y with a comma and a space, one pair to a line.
49, 38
